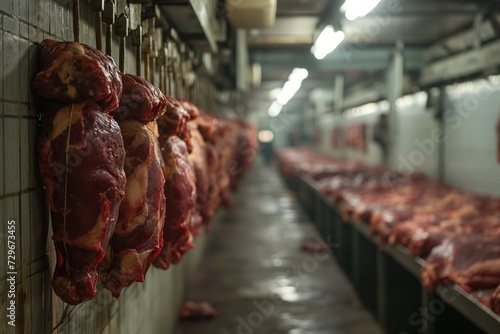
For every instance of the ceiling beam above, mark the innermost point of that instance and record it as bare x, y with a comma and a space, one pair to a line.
462, 65
279, 40
346, 57
425, 12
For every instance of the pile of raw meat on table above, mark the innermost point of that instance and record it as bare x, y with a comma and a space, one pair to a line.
456, 232
131, 175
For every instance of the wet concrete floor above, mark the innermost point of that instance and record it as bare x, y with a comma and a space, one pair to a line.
258, 279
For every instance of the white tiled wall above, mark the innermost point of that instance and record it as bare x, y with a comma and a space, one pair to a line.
415, 148
144, 308
325, 126
364, 114
373, 154
473, 110
414, 125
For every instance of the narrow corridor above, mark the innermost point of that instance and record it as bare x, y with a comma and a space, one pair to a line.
260, 281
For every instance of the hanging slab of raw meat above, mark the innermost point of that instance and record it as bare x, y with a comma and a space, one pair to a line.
197, 157
226, 145
191, 109
75, 72
180, 190
140, 100
84, 196
199, 161
174, 122
245, 151
138, 235
207, 125
213, 196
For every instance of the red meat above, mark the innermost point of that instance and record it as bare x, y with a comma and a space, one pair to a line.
84, 197
140, 100
75, 72
138, 236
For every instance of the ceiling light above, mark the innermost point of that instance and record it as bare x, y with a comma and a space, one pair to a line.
358, 8
298, 74
275, 109
288, 92
327, 41
266, 136
290, 88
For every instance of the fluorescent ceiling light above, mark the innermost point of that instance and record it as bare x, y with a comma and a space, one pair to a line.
298, 74
285, 94
358, 8
288, 92
327, 41
275, 109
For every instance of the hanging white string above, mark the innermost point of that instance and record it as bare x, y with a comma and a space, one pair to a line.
66, 184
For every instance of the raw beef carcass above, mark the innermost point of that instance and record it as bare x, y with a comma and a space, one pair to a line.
213, 195
226, 144
138, 236
75, 72
191, 109
198, 157
180, 190
245, 151
81, 156
207, 125
199, 162
174, 122
356, 136
140, 100
471, 262
180, 184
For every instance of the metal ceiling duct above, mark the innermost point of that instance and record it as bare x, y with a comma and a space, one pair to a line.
251, 14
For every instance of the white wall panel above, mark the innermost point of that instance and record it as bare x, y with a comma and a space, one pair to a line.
369, 115
415, 128
415, 147
471, 144
326, 123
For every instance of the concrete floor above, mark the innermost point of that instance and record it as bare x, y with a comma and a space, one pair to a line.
257, 278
